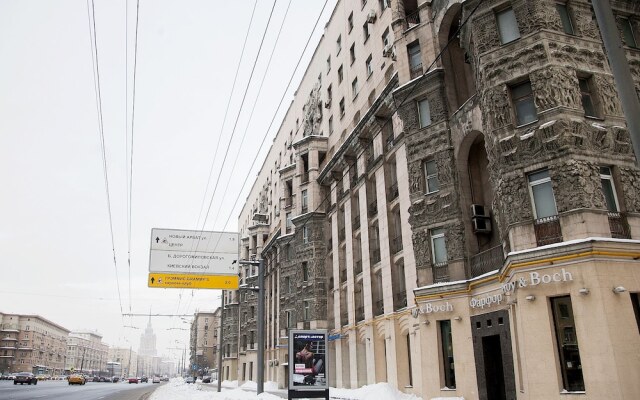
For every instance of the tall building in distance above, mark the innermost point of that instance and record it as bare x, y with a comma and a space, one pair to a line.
204, 342
32, 343
453, 195
148, 342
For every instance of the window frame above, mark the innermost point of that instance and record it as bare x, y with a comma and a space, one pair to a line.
566, 19
561, 340
350, 22
340, 74
519, 100
435, 234
342, 108
306, 310
627, 33
611, 181
592, 94
531, 184
365, 32
352, 53
328, 64
428, 176
354, 88
424, 124
448, 361
369, 65
501, 32
305, 234
338, 45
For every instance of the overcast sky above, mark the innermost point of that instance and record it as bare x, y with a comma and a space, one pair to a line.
56, 256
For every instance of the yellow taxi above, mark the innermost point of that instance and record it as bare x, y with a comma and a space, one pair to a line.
77, 379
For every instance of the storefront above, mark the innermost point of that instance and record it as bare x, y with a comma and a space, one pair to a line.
554, 322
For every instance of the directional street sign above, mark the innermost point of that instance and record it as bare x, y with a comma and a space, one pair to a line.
193, 259
193, 281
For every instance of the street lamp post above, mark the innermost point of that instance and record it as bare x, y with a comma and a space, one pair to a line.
220, 345
261, 323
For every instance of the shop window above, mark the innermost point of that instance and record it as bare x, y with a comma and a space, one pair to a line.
446, 345
507, 26
523, 103
424, 113
542, 197
627, 33
608, 189
567, 341
432, 183
565, 18
635, 302
590, 102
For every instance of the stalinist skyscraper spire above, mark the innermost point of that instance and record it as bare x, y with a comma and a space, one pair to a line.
148, 341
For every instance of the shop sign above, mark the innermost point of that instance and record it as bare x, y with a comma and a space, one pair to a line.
535, 278
429, 308
486, 301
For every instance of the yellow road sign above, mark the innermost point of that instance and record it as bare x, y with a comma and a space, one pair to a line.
193, 281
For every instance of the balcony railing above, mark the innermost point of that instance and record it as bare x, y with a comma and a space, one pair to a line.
393, 192
415, 71
619, 226
359, 314
400, 300
396, 244
485, 261
356, 222
357, 267
373, 208
547, 230
441, 272
375, 255
378, 307
413, 19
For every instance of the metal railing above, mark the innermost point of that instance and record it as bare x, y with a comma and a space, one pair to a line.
378, 307
393, 192
415, 71
412, 19
547, 230
357, 267
396, 245
441, 272
485, 261
619, 226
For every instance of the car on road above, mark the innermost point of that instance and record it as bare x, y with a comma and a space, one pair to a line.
25, 377
133, 379
206, 379
77, 379
190, 379
144, 379
115, 379
156, 379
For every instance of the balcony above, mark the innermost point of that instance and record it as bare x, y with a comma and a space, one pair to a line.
9, 328
415, 71
547, 230
396, 245
486, 261
356, 222
288, 202
441, 272
412, 19
359, 314
378, 307
400, 300
619, 226
393, 192
373, 208
375, 255
357, 267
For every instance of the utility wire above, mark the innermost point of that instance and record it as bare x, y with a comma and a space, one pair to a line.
96, 83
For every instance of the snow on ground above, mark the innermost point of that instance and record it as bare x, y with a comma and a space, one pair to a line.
177, 389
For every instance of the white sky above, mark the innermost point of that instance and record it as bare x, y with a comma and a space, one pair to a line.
55, 243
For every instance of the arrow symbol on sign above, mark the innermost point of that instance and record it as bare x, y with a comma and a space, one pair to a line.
152, 280
157, 239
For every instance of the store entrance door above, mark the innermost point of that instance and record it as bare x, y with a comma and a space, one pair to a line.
493, 356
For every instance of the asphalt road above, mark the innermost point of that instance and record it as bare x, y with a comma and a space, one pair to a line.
61, 390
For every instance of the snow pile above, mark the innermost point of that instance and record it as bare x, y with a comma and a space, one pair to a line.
378, 391
271, 386
177, 389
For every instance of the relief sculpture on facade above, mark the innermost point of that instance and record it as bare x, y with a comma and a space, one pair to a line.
555, 86
312, 111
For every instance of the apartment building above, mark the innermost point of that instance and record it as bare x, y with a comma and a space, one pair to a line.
126, 358
86, 353
453, 195
33, 344
203, 342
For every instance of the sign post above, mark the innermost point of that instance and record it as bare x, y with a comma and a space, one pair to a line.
193, 259
308, 364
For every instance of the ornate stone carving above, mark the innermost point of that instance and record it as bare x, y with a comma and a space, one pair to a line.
630, 182
584, 23
497, 109
576, 184
485, 32
554, 87
312, 111
572, 55
608, 95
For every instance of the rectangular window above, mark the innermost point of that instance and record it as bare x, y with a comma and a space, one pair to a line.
565, 18
446, 344
507, 26
341, 107
328, 64
542, 197
522, 97
609, 189
305, 201
567, 341
365, 32
305, 271
306, 310
424, 113
329, 94
352, 53
589, 100
251, 370
385, 38
415, 57
331, 124
340, 74
287, 315
627, 33
369, 66
409, 360
305, 234
635, 302
431, 176
350, 22
338, 45
384, 4
354, 88
438, 246
289, 223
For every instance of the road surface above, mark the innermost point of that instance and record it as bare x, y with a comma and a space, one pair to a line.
61, 390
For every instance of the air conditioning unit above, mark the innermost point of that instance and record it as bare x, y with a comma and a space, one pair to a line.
327, 103
388, 49
478, 210
371, 17
481, 224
